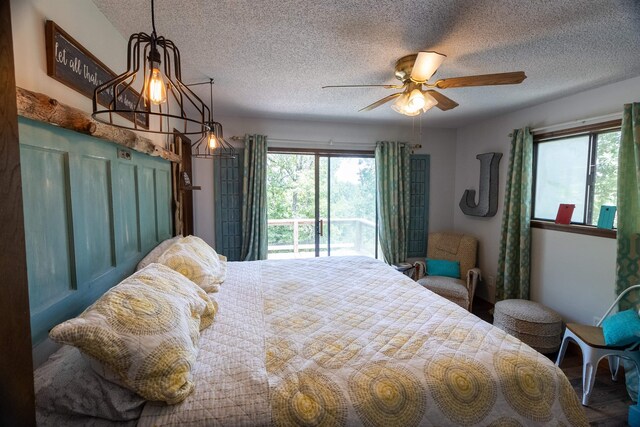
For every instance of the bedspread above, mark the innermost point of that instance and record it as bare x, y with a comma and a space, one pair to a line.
231, 384
350, 341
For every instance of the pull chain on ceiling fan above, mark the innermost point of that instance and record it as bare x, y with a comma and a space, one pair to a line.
415, 71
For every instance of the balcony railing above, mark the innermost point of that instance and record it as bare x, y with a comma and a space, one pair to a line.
349, 236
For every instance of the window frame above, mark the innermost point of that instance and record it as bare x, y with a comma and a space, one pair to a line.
592, 131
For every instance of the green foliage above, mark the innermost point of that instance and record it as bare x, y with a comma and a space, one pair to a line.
291, 194
606, 180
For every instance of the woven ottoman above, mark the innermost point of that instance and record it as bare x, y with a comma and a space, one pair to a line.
532, 323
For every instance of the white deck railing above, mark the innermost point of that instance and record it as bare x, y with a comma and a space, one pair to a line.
296, 247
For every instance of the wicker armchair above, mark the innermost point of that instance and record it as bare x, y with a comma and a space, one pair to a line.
452, 247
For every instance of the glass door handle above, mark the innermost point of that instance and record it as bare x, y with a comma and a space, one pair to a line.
320, 226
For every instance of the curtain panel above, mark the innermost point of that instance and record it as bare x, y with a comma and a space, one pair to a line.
392, 184
628, 235
514, 262
254, 200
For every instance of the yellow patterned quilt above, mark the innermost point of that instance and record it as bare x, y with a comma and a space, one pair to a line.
350, 341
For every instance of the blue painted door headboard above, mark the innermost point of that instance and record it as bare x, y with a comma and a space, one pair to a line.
90, 216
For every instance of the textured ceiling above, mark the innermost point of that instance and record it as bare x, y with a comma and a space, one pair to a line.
270, 58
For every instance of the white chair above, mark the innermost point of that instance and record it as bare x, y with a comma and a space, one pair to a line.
591, 342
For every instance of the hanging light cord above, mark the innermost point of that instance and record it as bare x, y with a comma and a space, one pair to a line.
211, 96
153, 19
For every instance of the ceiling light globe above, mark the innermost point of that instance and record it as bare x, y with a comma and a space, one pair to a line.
401, 104
416, 100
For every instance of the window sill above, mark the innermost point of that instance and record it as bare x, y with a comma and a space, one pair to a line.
575, 228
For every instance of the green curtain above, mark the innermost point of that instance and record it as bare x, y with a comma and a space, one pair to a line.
514, 263
628, 240
392, 184
254, 201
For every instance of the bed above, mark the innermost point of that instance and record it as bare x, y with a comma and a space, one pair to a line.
350, 341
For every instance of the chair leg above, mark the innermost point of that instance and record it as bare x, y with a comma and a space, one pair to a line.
563, 349
589, 368
614, 367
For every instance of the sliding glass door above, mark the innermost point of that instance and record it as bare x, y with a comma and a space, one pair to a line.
321, 204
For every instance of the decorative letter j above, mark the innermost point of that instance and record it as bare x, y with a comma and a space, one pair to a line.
488, 194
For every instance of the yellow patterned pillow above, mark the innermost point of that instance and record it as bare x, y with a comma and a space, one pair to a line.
140, 336
162, 277
197, 261
202, 248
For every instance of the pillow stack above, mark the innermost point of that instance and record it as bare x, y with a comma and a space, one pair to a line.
143, 333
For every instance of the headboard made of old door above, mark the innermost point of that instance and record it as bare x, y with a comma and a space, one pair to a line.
92, 210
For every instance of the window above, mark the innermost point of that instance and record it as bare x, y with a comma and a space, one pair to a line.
321, 204
580, 168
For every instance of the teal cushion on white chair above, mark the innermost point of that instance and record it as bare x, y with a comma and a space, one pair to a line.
622, 328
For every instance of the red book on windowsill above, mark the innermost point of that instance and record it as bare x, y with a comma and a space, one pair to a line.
564, 213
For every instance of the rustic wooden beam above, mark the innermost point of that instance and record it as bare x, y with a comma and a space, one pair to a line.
38, 106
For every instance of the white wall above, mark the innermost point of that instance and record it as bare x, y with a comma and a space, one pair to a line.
439, 143
592, 270
83, 21
573, 273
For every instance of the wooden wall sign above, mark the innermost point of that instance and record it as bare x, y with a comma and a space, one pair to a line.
73, 65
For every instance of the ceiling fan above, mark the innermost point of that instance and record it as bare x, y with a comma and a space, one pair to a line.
418, 95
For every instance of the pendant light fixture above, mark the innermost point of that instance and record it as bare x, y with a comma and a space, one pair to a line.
156, 61
212, 143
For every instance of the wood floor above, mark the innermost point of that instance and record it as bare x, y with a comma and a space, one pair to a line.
609, 404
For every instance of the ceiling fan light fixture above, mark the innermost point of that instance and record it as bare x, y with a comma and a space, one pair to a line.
404, 106
426, 65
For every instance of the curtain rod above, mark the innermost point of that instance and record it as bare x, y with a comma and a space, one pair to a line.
329, 142
603, 118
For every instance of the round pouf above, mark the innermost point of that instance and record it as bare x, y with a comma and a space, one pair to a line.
532, 323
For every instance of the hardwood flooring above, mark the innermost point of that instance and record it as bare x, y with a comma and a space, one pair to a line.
609, 403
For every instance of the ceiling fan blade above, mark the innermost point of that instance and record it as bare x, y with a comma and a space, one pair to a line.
381, 101
350, 86
482, 80
426, 65
444, 103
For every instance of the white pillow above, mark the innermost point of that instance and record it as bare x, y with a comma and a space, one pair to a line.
155, 253
197, 261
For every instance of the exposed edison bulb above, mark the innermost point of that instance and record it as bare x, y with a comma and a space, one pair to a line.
212, 140
416, 101
157, 90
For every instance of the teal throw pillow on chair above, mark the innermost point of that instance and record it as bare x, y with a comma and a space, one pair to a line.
441, 267
622, 328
